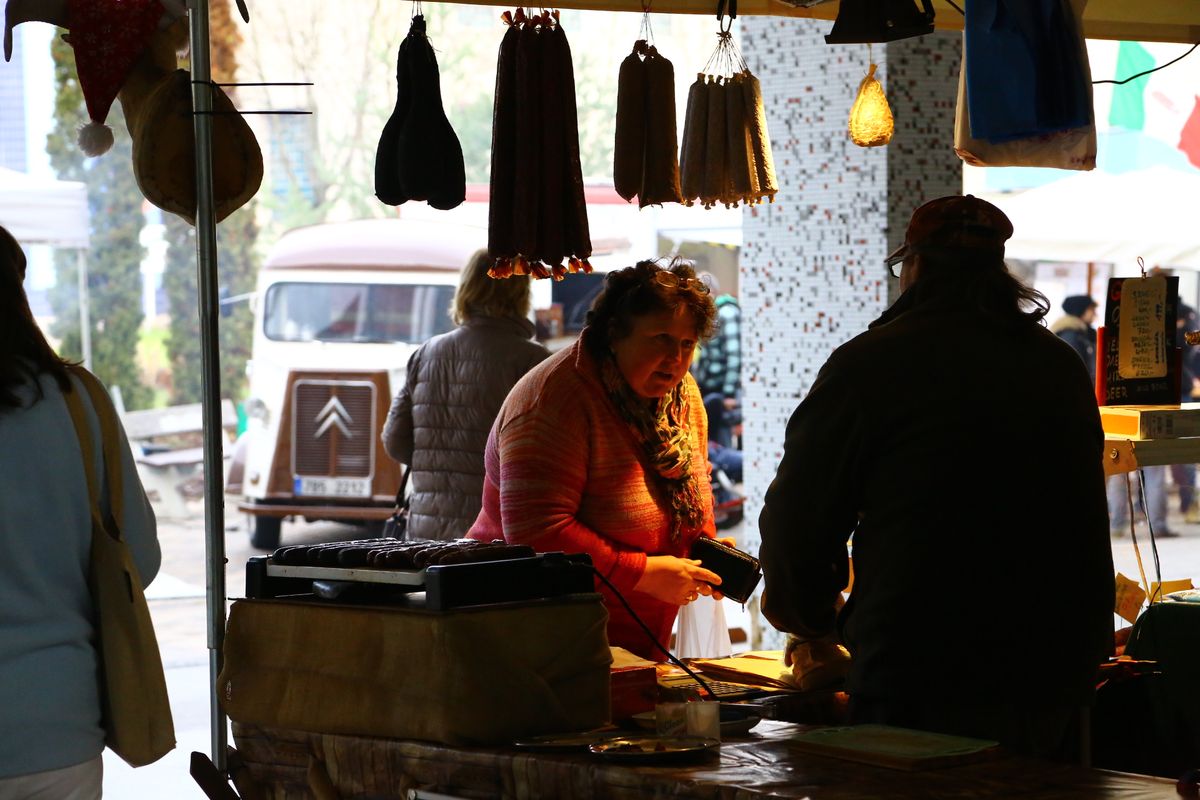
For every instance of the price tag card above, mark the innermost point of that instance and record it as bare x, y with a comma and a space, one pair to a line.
1159, 592
1130, 597
1142, 350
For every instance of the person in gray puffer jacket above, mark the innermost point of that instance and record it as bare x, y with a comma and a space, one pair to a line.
439, 422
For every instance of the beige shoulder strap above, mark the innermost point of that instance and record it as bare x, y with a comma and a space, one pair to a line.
84, 434
110, 440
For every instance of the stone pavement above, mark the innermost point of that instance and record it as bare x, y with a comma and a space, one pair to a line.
177, 604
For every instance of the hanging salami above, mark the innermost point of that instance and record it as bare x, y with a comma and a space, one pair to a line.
726, 155
645, 151
537, 218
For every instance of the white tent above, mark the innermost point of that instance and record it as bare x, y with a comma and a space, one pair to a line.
1106, 218
55, 213
38, 211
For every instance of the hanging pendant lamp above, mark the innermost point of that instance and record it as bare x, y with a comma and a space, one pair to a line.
871, 122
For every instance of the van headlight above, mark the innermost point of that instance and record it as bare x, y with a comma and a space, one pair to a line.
257, 409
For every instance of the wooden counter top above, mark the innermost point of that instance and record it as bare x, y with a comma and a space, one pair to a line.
763, 765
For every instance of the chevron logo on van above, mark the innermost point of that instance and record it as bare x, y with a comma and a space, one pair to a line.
334, 413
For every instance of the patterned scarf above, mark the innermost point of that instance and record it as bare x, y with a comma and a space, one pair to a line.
661, 429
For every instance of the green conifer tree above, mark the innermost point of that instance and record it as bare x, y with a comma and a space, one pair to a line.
115, 255
237, 263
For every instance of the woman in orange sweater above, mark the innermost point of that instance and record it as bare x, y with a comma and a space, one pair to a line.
602, 449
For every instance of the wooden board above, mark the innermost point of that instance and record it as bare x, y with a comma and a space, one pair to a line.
896, 748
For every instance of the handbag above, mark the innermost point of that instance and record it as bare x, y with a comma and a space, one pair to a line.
396, 526
135, 709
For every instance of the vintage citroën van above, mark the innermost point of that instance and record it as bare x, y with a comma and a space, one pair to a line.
339, 309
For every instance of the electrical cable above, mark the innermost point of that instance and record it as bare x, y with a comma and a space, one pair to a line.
1137, 551
654, 638
1154, 69
1150, 528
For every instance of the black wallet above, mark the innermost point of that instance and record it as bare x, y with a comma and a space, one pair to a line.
740, 572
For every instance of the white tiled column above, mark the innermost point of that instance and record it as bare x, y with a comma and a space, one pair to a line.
812, 273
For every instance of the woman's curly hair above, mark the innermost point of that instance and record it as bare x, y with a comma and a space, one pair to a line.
634, 291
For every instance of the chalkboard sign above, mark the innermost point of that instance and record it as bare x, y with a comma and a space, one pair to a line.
1114, 390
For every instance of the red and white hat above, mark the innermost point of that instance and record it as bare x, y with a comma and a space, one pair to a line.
107, 36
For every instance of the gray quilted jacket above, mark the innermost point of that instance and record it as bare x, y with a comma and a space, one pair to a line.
439, 422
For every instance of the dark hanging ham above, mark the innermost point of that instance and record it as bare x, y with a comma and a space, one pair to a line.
419, 156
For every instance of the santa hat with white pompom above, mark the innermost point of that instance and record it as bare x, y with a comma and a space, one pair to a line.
108, 37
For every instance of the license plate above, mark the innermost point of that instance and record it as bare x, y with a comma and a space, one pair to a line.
333, 487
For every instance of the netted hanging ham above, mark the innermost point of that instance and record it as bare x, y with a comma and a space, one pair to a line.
726, 154
419, 156
537, 218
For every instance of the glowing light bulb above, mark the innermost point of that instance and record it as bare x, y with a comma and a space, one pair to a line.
871, 123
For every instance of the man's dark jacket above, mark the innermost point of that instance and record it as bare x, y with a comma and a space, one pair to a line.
1082, 338
964, 454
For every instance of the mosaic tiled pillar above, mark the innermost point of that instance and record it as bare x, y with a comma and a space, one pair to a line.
812, 273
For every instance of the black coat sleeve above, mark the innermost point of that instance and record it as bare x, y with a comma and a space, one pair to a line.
812, 506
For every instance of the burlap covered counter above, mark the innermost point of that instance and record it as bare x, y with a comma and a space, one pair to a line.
474, 676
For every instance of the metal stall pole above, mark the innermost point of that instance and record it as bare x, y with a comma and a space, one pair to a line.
85, 321
206, 268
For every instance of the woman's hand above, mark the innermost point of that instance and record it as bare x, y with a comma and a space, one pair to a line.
676, 580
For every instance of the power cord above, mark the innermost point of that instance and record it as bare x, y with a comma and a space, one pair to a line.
1137, 551
1150, 528
1154, 69
653, 638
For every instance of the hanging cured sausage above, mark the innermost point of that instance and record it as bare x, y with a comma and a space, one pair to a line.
726, 155
646, 152
419, 156
537, 216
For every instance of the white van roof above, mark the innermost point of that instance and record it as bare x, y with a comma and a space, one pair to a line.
378, 244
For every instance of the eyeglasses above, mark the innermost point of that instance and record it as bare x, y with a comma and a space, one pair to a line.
673, 281
895, 262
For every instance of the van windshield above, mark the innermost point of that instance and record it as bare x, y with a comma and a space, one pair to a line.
350, 312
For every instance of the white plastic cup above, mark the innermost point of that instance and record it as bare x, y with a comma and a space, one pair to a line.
671, 719
704, 719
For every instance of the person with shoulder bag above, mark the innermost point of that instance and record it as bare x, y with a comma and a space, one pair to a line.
80, 543
396, 526
455, 383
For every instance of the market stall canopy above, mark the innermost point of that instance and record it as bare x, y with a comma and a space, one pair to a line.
1158, 21
44, 211
1106, 218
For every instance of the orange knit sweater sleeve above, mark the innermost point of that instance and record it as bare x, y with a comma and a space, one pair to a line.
544, 464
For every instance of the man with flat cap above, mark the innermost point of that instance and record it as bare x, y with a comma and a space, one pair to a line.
958, 441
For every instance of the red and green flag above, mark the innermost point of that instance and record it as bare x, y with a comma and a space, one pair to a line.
1128, 108
1189, 137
